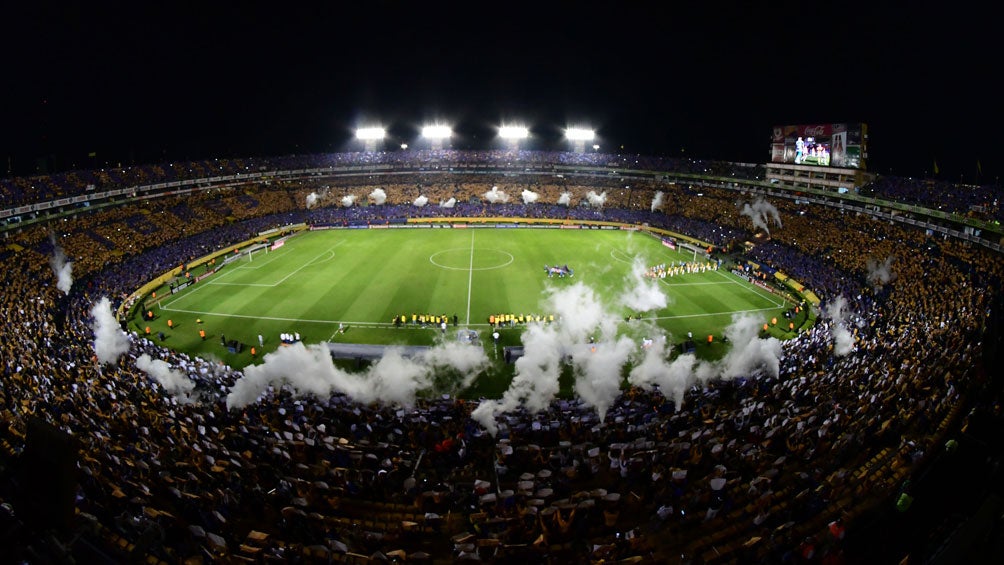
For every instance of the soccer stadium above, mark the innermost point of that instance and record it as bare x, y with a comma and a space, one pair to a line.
506, 355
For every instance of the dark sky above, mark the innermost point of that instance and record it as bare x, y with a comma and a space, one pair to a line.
167, 81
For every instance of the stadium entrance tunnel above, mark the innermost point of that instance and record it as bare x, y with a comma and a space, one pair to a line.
512, 353
364, 351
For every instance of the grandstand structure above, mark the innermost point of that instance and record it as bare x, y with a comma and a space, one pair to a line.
756, 468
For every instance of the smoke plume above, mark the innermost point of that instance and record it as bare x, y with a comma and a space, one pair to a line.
761, 211
174, 382
61, 267
657, 200
312, 200
348, 200
843, 340
643, 293
448, 203
495, 195
880, 274
596, 200
394, 379
529, 196
110, 342
422, 200
378, 196
565, 199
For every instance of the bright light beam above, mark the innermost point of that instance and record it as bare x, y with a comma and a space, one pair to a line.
579, 134
370, 134
436, 132
513, 132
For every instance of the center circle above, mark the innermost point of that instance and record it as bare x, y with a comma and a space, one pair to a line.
459, 259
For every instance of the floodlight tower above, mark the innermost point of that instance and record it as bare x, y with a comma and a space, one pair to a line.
436, 134
512, 135
371, 137
579, 137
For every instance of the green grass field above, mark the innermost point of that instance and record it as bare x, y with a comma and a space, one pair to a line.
362, 279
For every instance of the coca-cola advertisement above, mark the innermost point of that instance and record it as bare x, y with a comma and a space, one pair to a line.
820, 145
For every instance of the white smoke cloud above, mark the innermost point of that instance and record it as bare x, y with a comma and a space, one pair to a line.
422, 200
672, 377
348, 200
110, 342
448, 203
529, 196
880, 274
843, 339
748, 356
495, 195
174, 382
378, 196
565, 199
312, 200
393, 379
657, 200
579, 315
760, 211
598, 372
61, 267
596, 200
643, 293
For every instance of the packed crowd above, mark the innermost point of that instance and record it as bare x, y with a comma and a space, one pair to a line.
755, 468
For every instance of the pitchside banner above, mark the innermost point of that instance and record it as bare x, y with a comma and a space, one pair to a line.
821, 145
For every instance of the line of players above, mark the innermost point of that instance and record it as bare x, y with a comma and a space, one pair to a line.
664, 270
504, 320
424, 320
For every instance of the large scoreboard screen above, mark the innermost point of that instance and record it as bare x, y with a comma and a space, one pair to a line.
821, 145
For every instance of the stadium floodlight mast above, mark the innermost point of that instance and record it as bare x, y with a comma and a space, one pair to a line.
370, 136
579, 136
436, 134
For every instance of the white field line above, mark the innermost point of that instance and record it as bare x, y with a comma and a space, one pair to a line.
752, 288
285, 278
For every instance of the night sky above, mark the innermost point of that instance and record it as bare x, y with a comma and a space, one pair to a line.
170, 81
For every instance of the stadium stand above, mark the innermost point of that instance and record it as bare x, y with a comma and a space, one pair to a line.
792, 469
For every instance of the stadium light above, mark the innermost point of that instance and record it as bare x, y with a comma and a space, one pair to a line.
371, 134
436, 132
513, 132
579, 134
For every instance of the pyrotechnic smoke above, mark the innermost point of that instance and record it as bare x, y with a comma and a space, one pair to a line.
448, 203
348, 200
110, 342
174, 382
643, 293
378, 196
312, 199
749, 356
62, 268
672, 378
565, 199
529, 196
596, 200
495, 195
880, 274
843, 339
422, 200
583, 335
760, 211
394, 379
657, 200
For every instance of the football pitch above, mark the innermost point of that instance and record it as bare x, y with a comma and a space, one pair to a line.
349, 285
